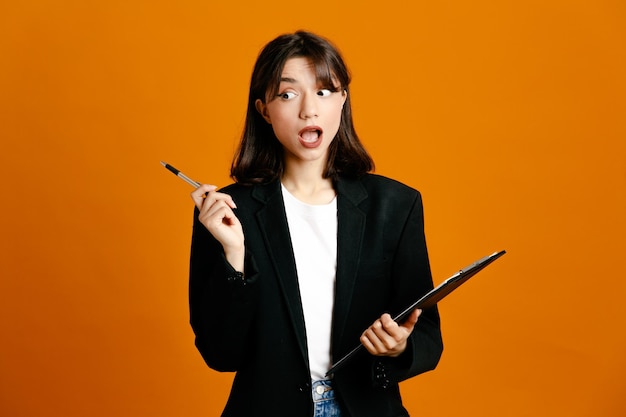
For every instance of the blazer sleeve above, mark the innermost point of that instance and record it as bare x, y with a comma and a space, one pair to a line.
411, 275
221, 307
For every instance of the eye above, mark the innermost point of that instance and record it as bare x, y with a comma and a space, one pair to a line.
287, 95
324, 92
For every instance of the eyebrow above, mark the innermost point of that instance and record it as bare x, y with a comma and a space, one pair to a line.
294, 81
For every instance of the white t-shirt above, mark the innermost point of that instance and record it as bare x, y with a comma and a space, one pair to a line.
313, 230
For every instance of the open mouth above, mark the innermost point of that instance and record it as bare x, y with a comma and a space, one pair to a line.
310, 135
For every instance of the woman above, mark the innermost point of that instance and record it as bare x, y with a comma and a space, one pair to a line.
298, 260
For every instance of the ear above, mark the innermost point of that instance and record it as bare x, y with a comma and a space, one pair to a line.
344, 97
262, 109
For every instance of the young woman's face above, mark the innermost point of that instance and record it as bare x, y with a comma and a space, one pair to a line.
305, 115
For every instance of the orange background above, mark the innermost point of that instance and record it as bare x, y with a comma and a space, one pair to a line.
508, 116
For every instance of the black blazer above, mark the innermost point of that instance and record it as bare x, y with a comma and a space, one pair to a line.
256, 328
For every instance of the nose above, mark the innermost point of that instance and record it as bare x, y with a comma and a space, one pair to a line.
309, 106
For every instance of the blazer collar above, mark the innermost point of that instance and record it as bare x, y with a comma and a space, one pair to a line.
351, 189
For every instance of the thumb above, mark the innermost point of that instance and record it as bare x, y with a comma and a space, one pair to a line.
411, 320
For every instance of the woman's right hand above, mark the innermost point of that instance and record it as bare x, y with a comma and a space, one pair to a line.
216, 214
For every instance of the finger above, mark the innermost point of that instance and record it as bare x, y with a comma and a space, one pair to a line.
367, 344
199, 194
372, 343
213, 196
389, 327
391, 337
213, 202
378, 337
221, 213
224, 225
227, 198
411, 320
216, 214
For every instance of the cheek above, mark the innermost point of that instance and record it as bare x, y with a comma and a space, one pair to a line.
282, 129
280, 115
335, 118
281, 123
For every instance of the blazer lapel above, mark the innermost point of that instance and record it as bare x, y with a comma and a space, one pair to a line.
273, 224
350, 228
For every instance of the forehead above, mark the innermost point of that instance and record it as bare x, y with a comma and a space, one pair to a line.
297, 67
301, 68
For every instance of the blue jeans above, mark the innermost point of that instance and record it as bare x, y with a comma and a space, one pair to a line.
324, 402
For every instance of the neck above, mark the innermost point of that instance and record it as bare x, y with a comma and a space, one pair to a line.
308, 185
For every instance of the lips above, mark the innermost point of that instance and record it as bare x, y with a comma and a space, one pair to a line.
310, 136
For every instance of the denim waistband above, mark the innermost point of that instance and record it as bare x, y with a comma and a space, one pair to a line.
322, 390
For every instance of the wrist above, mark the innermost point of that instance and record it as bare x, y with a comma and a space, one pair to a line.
236, 258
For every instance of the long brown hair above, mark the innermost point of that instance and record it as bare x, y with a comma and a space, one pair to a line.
259, 158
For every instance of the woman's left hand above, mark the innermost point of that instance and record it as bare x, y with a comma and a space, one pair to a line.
385, 337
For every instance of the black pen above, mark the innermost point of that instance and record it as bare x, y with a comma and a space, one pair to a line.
180, 175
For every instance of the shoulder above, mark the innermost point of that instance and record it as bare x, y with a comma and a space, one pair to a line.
378, 187
375, 181
259, 192
236, 189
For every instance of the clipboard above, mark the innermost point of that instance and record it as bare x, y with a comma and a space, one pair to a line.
431, 298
